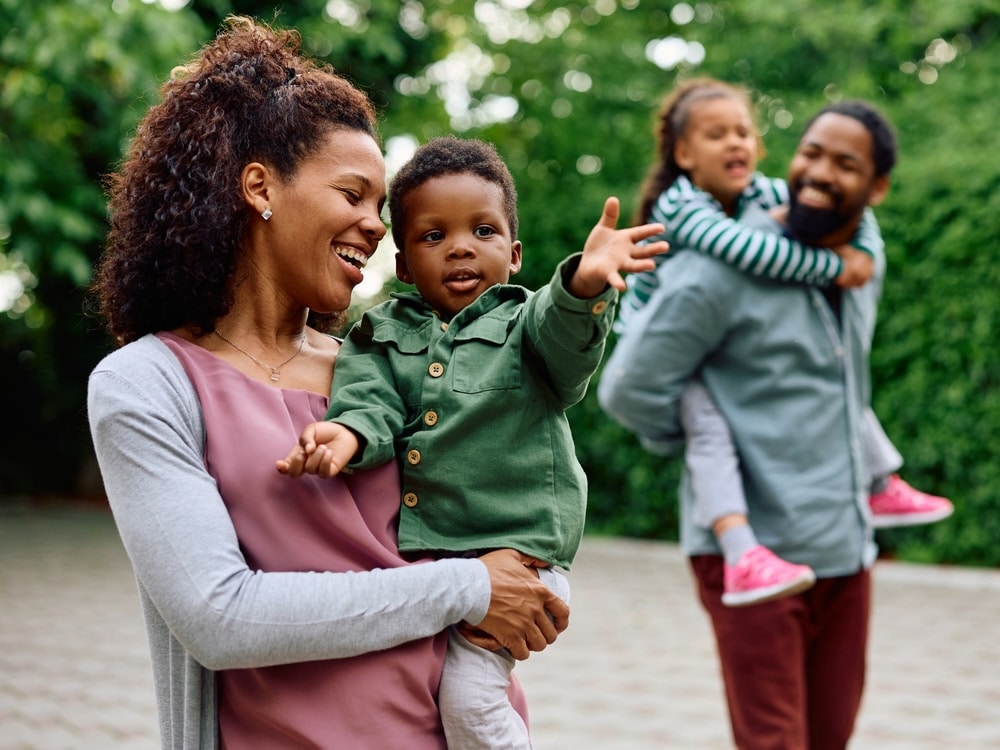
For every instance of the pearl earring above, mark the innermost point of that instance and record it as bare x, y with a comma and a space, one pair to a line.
266, 214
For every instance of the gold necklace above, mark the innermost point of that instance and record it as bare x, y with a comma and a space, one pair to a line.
276, 370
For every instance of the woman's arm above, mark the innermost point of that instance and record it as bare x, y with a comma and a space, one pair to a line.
147, 432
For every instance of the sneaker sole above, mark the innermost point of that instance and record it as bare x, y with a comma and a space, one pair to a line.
888, 520
769, 593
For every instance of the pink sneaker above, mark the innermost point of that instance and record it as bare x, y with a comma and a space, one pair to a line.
899, 504
760, 575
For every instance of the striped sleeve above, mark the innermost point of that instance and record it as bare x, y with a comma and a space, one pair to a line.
868, 238
695, 220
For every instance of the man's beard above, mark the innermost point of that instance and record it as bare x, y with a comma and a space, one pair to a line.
811, 225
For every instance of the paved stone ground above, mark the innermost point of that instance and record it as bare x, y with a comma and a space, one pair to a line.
635, 671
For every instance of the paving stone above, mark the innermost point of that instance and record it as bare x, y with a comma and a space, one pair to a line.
636, 670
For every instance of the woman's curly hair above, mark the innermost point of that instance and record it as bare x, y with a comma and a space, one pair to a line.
176, 210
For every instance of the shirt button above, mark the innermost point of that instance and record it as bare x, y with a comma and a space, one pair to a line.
436, 369
430, 418
413, 457
444, 326
839, 352
599, 307
410, 499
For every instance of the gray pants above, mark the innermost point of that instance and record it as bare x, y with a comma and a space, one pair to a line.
714, 466
473, 700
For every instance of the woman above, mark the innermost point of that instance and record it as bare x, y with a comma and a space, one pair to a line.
249, 201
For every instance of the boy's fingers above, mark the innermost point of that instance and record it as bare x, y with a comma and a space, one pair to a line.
292, 466
611, 211
308, 439
643, 231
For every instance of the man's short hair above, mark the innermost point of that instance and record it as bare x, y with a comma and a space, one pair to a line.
882, 133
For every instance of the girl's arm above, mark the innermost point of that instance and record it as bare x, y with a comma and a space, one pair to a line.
694, 220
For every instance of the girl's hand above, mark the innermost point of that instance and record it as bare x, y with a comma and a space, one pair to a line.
858, 266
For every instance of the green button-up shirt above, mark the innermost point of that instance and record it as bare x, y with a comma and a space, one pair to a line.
475, 409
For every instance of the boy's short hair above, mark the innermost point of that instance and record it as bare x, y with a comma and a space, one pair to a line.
450, 155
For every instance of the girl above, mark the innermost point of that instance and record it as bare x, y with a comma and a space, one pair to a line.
707, 149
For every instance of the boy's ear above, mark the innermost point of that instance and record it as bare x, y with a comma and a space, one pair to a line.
879, 189
402, 269
515, 257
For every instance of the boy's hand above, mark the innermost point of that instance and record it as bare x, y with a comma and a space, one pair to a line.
858, 267
325, 449
609, 252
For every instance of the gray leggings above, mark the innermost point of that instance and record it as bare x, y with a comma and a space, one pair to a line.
714, 466
473, 700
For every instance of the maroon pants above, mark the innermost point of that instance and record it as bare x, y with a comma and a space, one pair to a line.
794, 668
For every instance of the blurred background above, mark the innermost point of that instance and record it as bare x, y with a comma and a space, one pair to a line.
568, 93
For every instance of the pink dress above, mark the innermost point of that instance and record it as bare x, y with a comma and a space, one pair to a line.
385, 699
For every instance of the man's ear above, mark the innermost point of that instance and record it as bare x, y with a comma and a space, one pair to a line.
879, 189
255, 182
402, 269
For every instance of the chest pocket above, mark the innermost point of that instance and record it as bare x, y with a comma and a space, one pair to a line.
486, 357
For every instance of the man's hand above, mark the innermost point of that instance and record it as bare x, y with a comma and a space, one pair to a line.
325, 448
609, 252
858, 267
524, 614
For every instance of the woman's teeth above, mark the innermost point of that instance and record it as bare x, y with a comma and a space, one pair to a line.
354, 257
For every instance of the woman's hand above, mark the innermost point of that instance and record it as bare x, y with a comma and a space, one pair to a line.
524, 614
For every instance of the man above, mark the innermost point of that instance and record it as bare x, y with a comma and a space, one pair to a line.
787, 367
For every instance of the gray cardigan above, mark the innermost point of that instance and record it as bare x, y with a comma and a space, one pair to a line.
204, 608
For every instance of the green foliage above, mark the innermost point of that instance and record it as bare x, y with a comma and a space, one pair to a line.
70, 87
77, 75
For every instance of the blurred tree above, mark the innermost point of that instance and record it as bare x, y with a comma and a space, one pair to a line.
71, 72
568, 92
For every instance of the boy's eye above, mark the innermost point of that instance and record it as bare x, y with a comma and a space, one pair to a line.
485, 231
435, 235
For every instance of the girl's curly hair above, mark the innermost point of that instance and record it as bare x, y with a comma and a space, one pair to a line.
177, 216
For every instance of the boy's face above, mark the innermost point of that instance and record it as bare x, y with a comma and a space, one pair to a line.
457, 241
